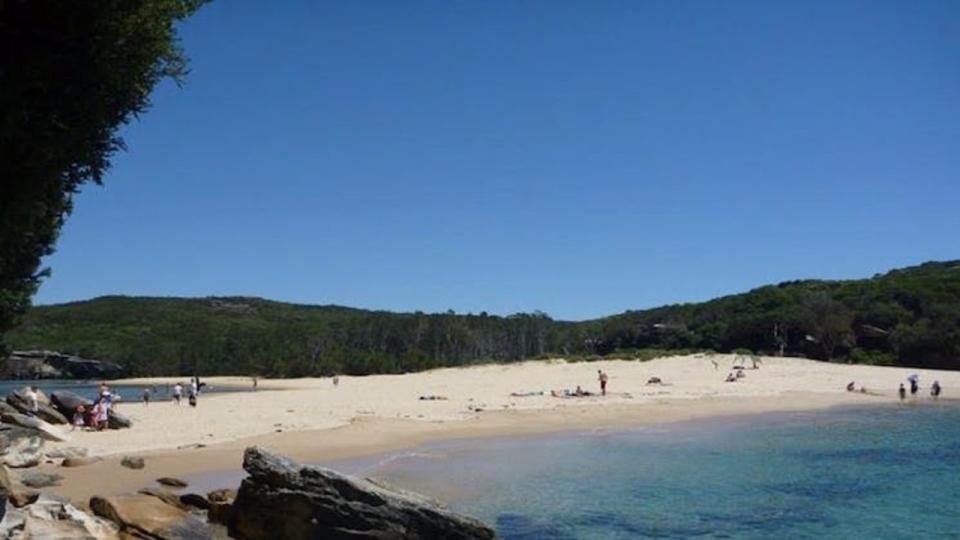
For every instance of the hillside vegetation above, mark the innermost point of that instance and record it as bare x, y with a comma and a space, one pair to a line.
906, 317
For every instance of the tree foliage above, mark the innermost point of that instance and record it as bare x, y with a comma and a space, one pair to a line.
71, 73
907, 317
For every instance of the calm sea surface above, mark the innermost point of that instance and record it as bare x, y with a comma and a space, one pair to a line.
89, 389
858, 473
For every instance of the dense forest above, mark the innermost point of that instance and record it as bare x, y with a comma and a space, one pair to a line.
905, 317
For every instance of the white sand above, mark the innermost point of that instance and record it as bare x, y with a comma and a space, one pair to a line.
315, 404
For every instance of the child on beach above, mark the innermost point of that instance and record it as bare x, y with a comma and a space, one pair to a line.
177, 392
78, 421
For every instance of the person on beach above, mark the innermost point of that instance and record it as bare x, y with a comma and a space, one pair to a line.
78, 420
602, 377
33, 401
850, 386
177, 393
192, 397
254, 384
730, 377
914, 387
902, 392
101, 414
336, 381
146, 396
935, 389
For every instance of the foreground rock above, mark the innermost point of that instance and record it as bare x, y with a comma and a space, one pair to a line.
171, 482
71, 462
116, 420
50, 517
20, 448
145, 516
40, 480
281, 499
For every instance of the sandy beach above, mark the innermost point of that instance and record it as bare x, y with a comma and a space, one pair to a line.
313, 420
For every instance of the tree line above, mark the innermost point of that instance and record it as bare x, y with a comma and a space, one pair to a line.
906, 317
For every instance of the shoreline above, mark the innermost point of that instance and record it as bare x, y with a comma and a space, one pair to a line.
371, 437
313, 421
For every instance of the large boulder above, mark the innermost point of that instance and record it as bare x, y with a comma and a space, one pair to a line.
145, 516
43, 429
67, 402
23, 452
116, 420
281, 499
45, 411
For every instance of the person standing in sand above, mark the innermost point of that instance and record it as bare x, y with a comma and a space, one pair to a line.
903, 392
177, 393
602, 377
33, 402
146, 396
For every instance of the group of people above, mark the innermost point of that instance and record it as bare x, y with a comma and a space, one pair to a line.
914, 381
97, 417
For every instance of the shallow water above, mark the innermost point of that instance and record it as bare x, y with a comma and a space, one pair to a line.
851, 473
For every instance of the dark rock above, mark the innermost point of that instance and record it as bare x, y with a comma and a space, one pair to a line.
222, 495
79, 461
281, 499
54, 365
67, 402
168, 497
220, 513
195, 500
40, 480
144, 516
42, 428
116, 420
23, 498
171, 482
132, 462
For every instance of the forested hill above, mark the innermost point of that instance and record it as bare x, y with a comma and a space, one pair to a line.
906, 317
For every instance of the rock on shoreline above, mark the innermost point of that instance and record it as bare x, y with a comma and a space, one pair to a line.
281, 499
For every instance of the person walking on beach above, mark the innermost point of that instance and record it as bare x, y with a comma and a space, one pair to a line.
336, 381
254, 384
602, 377
146, 396
192, 396
935, 389
177, 392
902, 392
33, 402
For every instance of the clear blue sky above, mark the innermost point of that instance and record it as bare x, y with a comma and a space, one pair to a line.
580, 158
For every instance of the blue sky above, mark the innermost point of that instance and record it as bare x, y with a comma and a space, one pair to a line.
581, 158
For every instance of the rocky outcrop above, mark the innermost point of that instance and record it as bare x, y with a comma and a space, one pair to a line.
55, 365
171, 482
45, 411
281, 499
145, 516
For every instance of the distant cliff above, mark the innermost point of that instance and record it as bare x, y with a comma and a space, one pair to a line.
54, 365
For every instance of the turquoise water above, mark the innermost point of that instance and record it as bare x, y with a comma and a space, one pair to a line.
864, 473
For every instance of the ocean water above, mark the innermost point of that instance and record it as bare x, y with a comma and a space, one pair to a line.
849, 473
